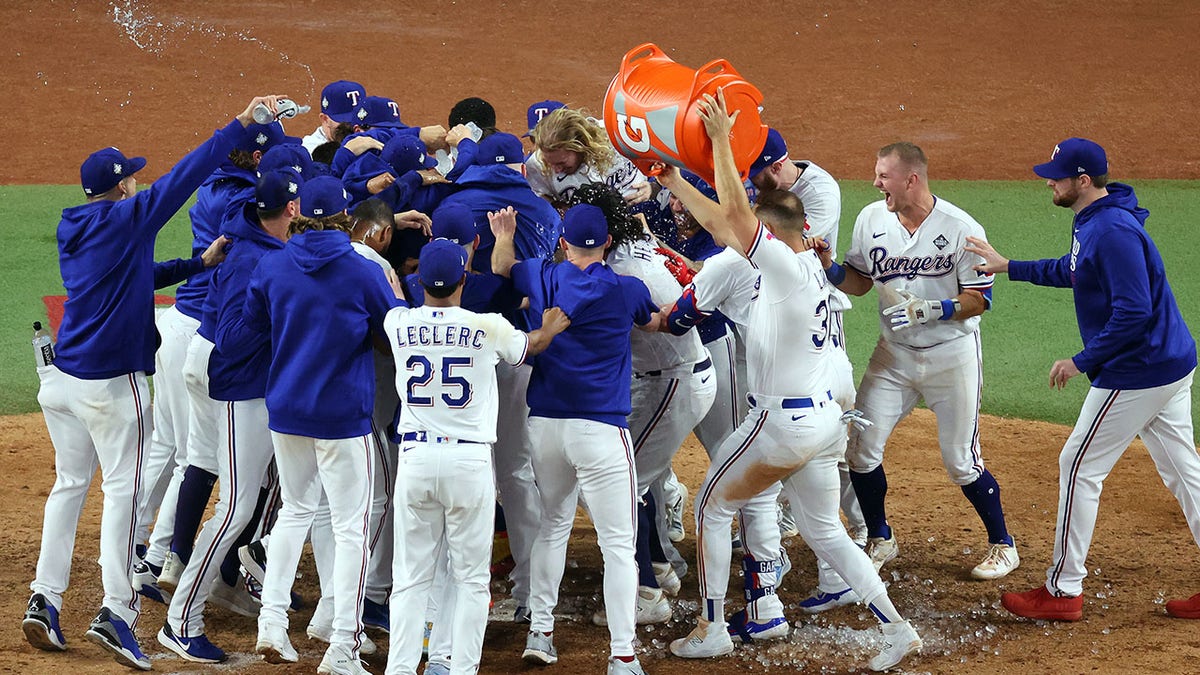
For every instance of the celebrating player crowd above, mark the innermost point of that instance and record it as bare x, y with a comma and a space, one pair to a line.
388, 334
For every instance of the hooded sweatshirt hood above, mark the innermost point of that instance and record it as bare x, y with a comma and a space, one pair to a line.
1120, 196
313, 250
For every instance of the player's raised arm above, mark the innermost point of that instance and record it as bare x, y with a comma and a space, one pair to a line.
738, 224
504, 226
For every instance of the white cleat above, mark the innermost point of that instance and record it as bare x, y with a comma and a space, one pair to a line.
652, 607
899, 641
539, 649
707, 639
667, 579
675, 515
172, 569
274, 646
339, 661
1000, 560
882, 551
618, 667
325, 633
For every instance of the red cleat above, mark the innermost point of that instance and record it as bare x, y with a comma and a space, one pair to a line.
1039, 604
1185, 609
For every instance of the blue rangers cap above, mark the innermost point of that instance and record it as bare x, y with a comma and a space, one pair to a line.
323, 196
378, 111
539, 110
404, 153
263, 137
276, 188
500, 148
454, 222
773, 151
290, 156
1072, 158
339, 99
103, 169
442, 263
585, 226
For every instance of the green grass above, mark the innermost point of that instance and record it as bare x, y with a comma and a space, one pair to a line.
1026, 331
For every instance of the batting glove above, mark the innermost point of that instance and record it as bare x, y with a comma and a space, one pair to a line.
912, 311
857, 418
676, 265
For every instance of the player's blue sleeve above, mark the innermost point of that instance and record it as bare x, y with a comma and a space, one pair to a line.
227, 291
1054, 272
684, 314
254, 307
467, 149
638, 299
360, 172
171, 272
1119, 260
526, 277
399, 195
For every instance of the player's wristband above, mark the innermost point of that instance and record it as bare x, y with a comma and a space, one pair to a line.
950, 307
836, 274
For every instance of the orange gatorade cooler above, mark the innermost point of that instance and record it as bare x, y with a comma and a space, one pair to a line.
650, 112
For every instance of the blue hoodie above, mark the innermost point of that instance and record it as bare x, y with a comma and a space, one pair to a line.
1134, 336
237, 368
224, 192
106, 255
319, 299
484, 188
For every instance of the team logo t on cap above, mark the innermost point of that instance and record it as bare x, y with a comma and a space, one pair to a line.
539, 110
1072, 158
442, 263
276, 188
323, 196
377, 111
103, 169
454, 222
773, 151
585, 226
500, 148
288, 156
405, 153
339, 100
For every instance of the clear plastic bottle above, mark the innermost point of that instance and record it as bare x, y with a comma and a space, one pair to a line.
287, 109
43, 345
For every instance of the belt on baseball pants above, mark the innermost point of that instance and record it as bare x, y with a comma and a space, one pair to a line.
698, 368
790, 403
426, 437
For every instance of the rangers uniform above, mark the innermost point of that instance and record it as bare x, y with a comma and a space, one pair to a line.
558, 188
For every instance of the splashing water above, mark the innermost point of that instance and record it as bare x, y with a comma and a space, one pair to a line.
154, 34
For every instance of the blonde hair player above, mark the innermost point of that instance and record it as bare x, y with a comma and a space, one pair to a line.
572, 149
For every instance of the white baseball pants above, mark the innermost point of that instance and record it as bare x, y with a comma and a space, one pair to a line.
665, 409
94, 422
245, 455
445, 497
379, 572
729, 402
1108, 423
514, 473
343, 468
573, 457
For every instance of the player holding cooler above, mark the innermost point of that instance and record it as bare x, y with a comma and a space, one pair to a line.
578, 403
445, 488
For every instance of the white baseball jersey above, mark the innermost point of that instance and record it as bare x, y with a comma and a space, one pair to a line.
371, 254
655, 351
622, 175
788, 345
451, 353
930, 263
314, 140
822, 199
727, 282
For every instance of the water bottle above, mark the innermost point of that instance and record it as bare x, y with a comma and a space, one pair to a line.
43, 345
287, 109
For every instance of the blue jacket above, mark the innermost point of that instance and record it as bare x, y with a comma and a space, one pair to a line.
171, 272
106, 255
237, 368
495, 186
1134, 336
225, 191
319, 299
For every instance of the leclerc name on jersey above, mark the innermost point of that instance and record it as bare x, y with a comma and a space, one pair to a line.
884, 269
441, 336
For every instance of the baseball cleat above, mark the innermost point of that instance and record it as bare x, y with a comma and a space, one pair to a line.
675, 515
145, 581
253, 557
899, 641
522, 614
1180, 609
274, 645
618, 667
436, 668
172, 569
235, 598
539, 649
375, 615
366, 645
41, 625
652, 607
859, 536
667, 579
882, 551
1000, 560
114, 636
821, 601
707, 639
1040, 604
197, 648
340, 661
746, 630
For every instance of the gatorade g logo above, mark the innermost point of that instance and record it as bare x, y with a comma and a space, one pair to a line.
353, 96
634, 132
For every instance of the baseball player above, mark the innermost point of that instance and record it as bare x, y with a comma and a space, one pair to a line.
911, 245
95, 396
445, 490
1137, 352
238, 381
793, 431
572, 149
339, 100
822, 198
578, 406
318, 301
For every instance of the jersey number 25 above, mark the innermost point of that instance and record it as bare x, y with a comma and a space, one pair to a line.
456, 388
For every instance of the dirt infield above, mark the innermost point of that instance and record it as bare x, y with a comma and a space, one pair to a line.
985, 88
